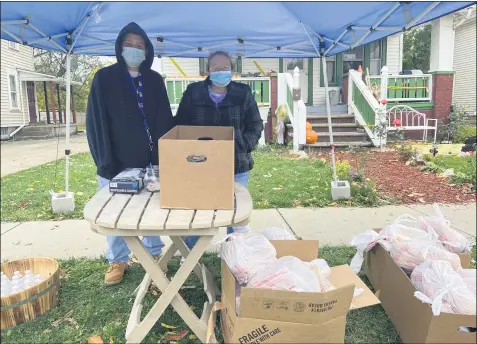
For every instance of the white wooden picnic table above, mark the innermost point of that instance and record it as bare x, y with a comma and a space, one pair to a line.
134, 216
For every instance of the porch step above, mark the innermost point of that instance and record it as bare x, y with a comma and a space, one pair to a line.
32, 137
44, 131
342, 137
336, 118
319, 145
319, 110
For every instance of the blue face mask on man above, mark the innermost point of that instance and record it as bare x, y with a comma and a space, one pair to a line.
133, 56
221, 79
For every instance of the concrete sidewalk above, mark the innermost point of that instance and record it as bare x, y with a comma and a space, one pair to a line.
333, 226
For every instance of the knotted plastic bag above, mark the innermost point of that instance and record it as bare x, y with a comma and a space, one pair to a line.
286, 273
275, 233
246, 255
410, 254
451, 239
439, 285
322, 270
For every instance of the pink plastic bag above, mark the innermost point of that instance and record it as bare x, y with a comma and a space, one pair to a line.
410, 254
469, 277
322, 270
286, 273
451, 239
439, 285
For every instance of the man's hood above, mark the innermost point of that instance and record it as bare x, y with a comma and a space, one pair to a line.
136, 29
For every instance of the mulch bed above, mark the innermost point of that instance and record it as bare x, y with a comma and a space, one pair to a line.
407, 183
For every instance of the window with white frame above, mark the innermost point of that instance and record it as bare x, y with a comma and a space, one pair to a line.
352, 59
375, 58
13, 45
331, 69
13, 90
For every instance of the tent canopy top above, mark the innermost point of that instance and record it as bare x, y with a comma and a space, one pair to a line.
244, 29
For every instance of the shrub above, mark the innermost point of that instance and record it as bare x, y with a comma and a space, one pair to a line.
431, 167
448, 131
463, 132
343, 169
407, 152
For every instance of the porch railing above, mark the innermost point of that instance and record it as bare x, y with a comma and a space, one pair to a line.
407, 88
260, 89
286, 84
363, 105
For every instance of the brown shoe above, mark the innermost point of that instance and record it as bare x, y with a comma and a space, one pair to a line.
114, 274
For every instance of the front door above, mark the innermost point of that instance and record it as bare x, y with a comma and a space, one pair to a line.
30, 85
302, 65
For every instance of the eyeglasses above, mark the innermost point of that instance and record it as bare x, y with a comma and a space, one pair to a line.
220, 69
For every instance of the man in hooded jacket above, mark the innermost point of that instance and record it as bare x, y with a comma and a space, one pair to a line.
128, 111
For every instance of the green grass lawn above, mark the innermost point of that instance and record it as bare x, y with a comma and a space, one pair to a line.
277, 180
104, 311
464, 167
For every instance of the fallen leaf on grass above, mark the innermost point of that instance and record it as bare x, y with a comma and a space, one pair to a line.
95, 340
111, 341
192, 336
170, 327
62, 320
296, 203
47, 331
267, 175
188, 287
334, 204
177, 336
192, 308
278, 188
24, 204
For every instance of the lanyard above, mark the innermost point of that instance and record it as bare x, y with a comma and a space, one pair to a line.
140, 103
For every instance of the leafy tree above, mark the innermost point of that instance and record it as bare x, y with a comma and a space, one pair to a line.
83, 68
417, 49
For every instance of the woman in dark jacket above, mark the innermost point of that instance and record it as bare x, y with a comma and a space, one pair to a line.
219, 101
128, 111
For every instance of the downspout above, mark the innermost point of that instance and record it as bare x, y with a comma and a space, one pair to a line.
23, 110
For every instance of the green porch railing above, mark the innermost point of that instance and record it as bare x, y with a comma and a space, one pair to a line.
366, 110
260, 89
407, 87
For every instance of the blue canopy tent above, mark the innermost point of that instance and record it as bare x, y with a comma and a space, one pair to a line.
246, 29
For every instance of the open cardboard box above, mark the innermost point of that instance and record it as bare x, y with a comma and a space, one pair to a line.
273, 316
413, 319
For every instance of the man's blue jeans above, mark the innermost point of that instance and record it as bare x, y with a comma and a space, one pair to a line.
118, 250
241, 178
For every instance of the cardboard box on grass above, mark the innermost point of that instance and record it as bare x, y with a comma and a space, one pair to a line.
273, 316
196, 168
413, 319
374, 264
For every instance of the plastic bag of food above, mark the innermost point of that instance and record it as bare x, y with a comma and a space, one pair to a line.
275, 233
410, 254
286, 273
439, 285
363, 243
322, 270
246, 255
451, 239
469, 277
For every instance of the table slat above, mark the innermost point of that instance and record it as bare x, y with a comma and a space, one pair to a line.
223, 218
96, 204
134, 209
154, 217
244, 205
203, 219
179, 219
111, 212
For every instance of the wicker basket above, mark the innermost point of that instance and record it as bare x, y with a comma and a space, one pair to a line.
35, 301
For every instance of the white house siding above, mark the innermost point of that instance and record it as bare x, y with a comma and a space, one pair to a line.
465, 64
267, 65
190, 66
394, 53
11, 60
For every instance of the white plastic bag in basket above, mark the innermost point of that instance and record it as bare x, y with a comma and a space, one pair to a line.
439, 285
286, 273
451, 239
246, 255
322, 270
410, 254
275, 233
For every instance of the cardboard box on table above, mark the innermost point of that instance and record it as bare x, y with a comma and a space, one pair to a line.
272, 316
196, 168
413, 319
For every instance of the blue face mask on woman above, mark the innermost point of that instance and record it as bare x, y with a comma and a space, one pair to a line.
221, 79
133, 56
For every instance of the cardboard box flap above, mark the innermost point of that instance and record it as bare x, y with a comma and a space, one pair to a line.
306, 250
296, 307
342, 276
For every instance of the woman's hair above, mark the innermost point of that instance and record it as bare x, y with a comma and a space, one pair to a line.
220, 53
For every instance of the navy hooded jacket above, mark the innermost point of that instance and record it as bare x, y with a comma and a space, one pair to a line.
114, 124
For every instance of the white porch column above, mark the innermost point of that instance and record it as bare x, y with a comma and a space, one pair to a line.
442, 44
296, 114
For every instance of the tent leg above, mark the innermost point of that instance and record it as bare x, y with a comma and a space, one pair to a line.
67, 121
328, 113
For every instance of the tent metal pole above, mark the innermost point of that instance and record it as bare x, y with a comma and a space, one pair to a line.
347, 46
67, 120
13, 22
328, 114
336, 41
105, 46
45, 36
420, 16
12, 35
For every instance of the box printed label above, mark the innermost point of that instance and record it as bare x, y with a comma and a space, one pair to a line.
259, 335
